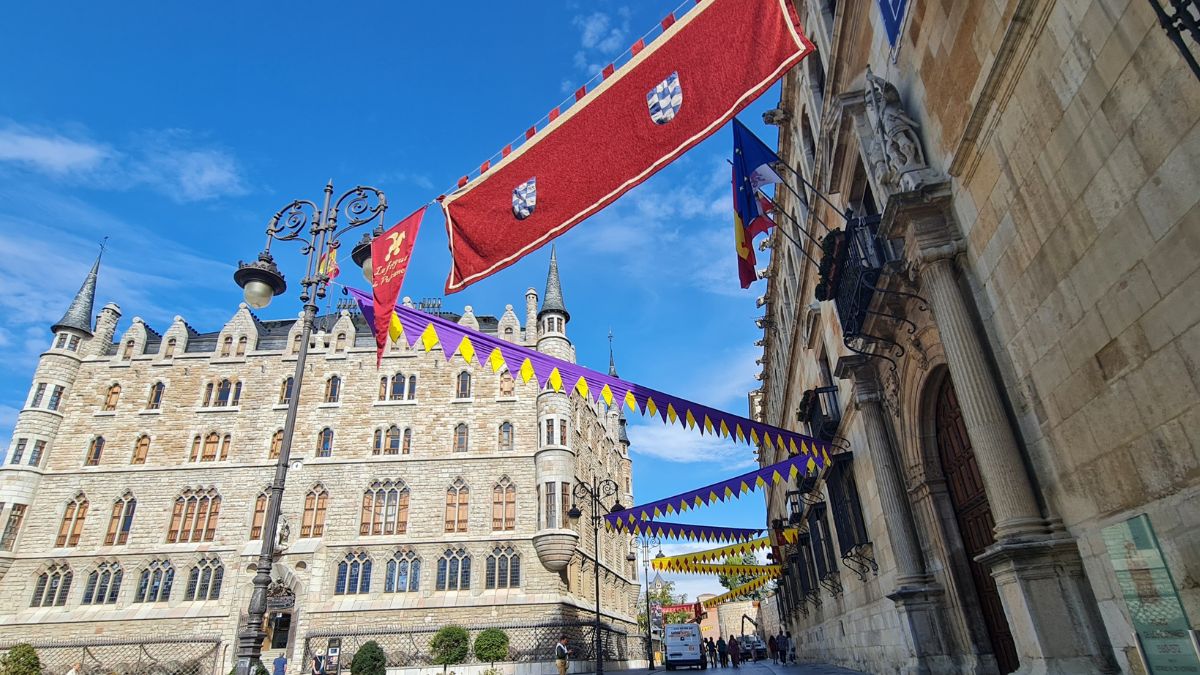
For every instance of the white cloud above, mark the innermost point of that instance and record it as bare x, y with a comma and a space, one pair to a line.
172, 162
49, 152
601, 37
685, 446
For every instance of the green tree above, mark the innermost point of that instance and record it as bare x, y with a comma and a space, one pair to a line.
450, 645
491, 645
664, 595
369, 660
732, 581
22, 659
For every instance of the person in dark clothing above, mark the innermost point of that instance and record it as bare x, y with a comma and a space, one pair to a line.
723, 651
735, 651
712, 653
771, 649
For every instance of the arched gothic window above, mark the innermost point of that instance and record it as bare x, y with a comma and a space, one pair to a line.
121, 520
140, 450
454, 570
95, 450
505, 440
296, 343
127, 353
241, 346
457, 497
463, 390
260, 515
72, 521
169, 351
325, 443
285, 391
339, 343
226, 345
460, 438
211, 448
411, 393
384, 508
194, 518
403, 573
504, 505
315, 503
507, 384
503, 568
393, 440
353, 574
204, 580
154, 583
103, 584
110, 400
406, 446
154, 401
52, 586
276, 444
333, 389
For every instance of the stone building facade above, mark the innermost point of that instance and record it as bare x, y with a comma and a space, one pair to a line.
423, 493
995, 317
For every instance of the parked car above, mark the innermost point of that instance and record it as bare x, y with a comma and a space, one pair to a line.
753, 648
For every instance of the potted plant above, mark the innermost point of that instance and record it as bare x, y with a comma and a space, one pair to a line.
833, 255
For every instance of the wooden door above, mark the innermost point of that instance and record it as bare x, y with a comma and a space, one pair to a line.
974, 516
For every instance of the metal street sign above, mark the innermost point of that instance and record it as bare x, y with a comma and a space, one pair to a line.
1165, 639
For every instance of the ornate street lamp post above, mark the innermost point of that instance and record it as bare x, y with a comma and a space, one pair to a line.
646, 543
317, 229
596, 492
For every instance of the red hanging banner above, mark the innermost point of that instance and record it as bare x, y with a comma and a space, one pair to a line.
705, 67
390, 253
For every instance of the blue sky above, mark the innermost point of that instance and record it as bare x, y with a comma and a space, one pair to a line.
177, 129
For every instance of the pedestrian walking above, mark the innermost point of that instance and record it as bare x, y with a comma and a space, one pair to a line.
712, 653
279, 665
791, 648
723, 651
772, 649
561, 653
781, 644
735, 651
318, 664
76, 669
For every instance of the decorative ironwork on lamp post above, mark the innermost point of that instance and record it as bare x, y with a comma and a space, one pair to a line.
318, 231
596, 492
645, 543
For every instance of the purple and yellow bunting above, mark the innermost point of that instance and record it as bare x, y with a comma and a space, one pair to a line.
712, 553
685, 567
705, 533
529, 364
735, 487
734, 594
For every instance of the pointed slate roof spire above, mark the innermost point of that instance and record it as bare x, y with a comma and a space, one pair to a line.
612, 363
79, 314
552, 301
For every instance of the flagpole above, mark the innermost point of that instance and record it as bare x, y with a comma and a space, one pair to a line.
812, 187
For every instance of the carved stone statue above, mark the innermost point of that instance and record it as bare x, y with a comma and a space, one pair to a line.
284, 533
898, 133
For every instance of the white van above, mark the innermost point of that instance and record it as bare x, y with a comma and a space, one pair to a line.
682, 646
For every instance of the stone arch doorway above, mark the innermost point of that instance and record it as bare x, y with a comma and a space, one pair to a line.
973, 515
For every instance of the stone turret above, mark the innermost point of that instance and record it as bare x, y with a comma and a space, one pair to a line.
42, 412
553, 317
555, 462
531, 331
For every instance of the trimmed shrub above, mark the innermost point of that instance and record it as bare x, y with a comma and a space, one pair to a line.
22, 659
450, 645
369, 660
491, 646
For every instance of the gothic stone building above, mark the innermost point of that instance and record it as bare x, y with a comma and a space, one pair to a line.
421, 494
1021, 267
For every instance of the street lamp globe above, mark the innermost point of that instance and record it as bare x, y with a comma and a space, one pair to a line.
361, 255
260, 280
574, 513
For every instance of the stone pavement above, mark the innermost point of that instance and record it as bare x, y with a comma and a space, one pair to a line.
764, 667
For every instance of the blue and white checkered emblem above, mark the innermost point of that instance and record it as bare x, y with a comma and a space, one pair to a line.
665, 99
525, 199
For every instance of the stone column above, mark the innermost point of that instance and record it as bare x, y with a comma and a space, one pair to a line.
1009, 492
917, 598
1048, 602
